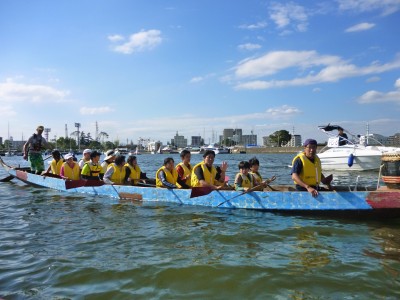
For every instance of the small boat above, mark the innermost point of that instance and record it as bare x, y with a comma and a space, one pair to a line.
356, 156
217, 149
344, 201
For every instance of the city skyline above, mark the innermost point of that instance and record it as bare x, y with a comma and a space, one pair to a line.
146, 69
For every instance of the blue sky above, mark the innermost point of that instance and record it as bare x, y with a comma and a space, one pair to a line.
151, 68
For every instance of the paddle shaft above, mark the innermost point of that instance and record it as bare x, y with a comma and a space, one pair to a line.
250, 190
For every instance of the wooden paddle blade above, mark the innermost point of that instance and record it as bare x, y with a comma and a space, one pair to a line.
7, 179
200, 191
70, 184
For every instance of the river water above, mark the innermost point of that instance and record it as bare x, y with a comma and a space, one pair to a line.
57, 246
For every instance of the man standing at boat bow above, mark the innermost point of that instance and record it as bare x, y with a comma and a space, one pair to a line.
32, 150
307, 171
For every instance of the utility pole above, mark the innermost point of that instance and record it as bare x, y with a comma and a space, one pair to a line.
46, 133
78, 125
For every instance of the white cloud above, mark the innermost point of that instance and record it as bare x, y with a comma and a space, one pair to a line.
360, 27
196, 79
95, 110
386, 6
258, 25
115, 38
316, 90
249, 46
7, 111
275, 61
12, 91
322, 68
283, 110
397, 83
373, 79
140, 41
289, 14
379, 97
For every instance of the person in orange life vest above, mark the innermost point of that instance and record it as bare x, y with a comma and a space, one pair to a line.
244, 180
205, 173
184, 169
116, 171
70, 168
56, 163
167, 176
307, 171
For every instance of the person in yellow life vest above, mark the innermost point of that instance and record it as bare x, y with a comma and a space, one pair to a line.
56, 163
254, 170
307, 171
133, 173
167, 176
70, 169
184, 169
244, 180
92, 169
116, 171
85, 158
110, 157
205, 174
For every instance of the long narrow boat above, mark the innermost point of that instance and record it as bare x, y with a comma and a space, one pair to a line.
344, 201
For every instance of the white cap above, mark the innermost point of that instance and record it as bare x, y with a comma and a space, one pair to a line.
87, 151
68, 156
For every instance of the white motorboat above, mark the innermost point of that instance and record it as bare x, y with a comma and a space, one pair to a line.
357, 156
217, 149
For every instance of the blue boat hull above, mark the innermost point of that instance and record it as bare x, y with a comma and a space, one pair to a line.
385, 201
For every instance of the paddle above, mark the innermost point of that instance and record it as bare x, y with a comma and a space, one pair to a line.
70, 184
255, 188
7, 179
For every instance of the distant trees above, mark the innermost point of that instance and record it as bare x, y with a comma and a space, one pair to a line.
280, 137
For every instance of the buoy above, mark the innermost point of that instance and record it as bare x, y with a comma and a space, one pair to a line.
350, 160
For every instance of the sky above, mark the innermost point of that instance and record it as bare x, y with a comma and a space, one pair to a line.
150, 69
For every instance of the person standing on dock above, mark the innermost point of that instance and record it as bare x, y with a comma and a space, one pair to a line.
307, 171
32, 150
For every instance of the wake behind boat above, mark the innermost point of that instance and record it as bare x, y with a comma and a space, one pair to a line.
344, 201
356, 156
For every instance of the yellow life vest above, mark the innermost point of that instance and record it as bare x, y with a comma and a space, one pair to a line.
170, 177
92, 170
311, 171
209, 177
71, 173
257, 176
186, 172
246, 181
118, 177
56, 166
135, 173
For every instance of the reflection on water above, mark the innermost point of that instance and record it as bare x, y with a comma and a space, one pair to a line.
60, 246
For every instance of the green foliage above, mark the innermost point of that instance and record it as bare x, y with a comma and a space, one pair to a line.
280, 137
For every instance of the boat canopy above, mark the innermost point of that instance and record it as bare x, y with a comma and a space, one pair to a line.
330, 127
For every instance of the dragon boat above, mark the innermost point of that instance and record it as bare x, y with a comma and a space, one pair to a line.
342, 201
